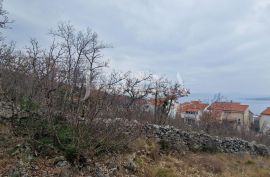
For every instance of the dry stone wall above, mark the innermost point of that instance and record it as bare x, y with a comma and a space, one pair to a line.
170, 137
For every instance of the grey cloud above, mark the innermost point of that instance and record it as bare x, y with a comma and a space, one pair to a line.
216, 45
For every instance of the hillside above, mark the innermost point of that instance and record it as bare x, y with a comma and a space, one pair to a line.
74, 105
147, 157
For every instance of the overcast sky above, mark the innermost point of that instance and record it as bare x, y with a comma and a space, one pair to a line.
216, 45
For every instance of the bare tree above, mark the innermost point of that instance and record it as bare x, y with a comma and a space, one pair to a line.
159, 85
137, 88
165, 94
5, 50
83, 60
4, 20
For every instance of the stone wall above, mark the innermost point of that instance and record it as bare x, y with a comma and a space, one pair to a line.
175, 139
5, 110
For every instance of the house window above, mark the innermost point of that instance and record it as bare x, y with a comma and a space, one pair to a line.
190, 112
189, 121
238, 121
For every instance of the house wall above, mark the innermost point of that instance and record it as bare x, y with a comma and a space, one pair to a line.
173, 112
251, 118
248, 116
233, 116
264, 120
186, 115
243, 118
195, 117
151, 108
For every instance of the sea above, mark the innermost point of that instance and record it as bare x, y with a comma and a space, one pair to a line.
257, 103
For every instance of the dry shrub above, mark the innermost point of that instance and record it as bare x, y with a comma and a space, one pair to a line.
153, 149
165, 172
139, 145
155, 153
211, 164
107, 136
149, 172
154, 171
250, 162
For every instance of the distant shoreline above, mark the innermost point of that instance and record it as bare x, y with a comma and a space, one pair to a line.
259, 99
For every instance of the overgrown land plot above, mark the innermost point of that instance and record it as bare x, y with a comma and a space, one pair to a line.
143, 156
63, 114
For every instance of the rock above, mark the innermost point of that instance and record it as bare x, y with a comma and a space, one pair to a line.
45, 173
65, 173
14, 172
57, 159
100, 174
113, 171
101, 170
262, 150
131, 165
5, 110
182, 141
61, 164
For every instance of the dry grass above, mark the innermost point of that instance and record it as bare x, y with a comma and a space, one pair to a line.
7, 142
205, 165
154, 163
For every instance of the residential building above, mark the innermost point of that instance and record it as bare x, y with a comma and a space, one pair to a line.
233, 112
192, 111
162, 104
255, 123
265, 120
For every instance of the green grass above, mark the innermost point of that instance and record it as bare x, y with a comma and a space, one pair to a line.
250, 162
165, 172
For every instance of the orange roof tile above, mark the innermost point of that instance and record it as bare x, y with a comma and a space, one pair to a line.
266, 111
228, 106
160, 101
193, 106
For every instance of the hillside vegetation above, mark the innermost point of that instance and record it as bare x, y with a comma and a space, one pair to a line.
64, 113
145, 158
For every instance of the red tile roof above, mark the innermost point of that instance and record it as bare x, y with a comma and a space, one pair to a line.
159, 101
228, 106
154, 102
266, 111
193, 106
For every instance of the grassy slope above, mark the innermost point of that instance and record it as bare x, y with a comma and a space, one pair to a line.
151, 161
206, 165
191, 164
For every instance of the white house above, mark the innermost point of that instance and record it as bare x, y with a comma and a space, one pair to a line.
152, 104
265, 120
192, 111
